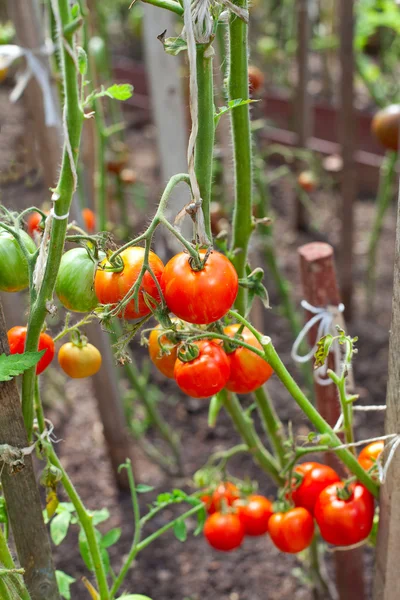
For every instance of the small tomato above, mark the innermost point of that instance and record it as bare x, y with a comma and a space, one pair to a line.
205, 375
79, 361
16, 339
291, 531
255, 513
224, 532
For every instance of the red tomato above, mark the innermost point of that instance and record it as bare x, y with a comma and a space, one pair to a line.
248, 371
33, 223
256, 78
203, 296
307, 181
224, 532
164, 362
255, 514
89, 219
225, 493
370, 454
111, 287
292, 531
316, 478
386, 124
344, 522
205, 375
16, 339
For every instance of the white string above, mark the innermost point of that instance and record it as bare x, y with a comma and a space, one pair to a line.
325, 318
370, 407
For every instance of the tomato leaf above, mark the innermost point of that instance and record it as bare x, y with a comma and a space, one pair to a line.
99, 516
111, 537
59, 527
143, 488
231, 105
120, 91
16, 364
180, 530
64, 582
323, 349
173, 45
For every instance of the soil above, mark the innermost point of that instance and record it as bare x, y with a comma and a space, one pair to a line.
169, 569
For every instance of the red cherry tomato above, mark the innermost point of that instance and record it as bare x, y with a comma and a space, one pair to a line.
256, 78
89, 219
292, 531
248, 371
205, 375
255, 514
224, 532
33, 223
111, 287
16, 339
225, 493
344, 522
203, 296
316, 478
164, 362
370, 454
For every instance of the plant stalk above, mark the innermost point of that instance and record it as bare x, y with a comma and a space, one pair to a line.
271, 422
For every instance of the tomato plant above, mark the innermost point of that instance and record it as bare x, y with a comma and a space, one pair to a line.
291, 531
385, 126
370, 454
255, 512
163, 358
224, 532
204, 375
16, 339
225, 494
75, 281
14, 272
78, 361
315, 477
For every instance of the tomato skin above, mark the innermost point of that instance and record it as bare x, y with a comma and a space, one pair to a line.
225, 493
370, 454
75, 281
205, 375
89, 218
307, 181
385, 126
255, 515
16, 339
79, 361
316, 477
200, 297
14, 274
256, 78
248, 371
291, 531
110, 287
164, 362
344, 522
224, 532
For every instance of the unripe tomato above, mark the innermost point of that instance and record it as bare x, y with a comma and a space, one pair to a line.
75, 281
33, 223
255, 514
256, 78
111, 287
248, 371
224, 532
370, 454
203, 296
226, 493
79, 361
344, 522
16, 339
385, 126
205, 375
89, 219
292, 531
164, 362
307, 181
316, 478
14, 273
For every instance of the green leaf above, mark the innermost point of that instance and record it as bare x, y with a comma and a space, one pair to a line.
64, 582
323, 348
143, 488
231, 105
82, 61
59, 527
111, 537
120, 91
75, 11
16, 364
180, 530
173, 45
201, 519
99, 516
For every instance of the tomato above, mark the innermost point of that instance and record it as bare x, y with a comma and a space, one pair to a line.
291, 531
75, 281
205, 375
385, 126
14, 274
307, 181
128, 176
256, 78
79, 361
203, 296
89, 219
3, 73
164, 362
248, 371
224, 532
344, 522
316, 478
16, 339
255, 514
110, 287
226, 493
370, 454
33, 224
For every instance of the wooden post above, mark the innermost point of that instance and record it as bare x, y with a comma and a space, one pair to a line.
347, 134
387, 576
320, 289
22, 495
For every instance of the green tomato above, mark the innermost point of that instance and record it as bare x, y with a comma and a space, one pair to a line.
75, 281
14, 273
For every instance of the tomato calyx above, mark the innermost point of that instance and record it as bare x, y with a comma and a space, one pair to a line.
77, 339
346, 492
188, 352
198, 264
114, 266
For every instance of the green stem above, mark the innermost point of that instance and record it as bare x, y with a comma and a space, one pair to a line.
320, 585
272, 424
100, 174
7, 561
167, 4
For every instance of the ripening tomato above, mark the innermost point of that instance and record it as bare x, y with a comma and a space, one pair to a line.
16, 339
256, 78
203, 296
385, 126
292, 531
14, 273
255, 513
128, 176
164, 361
111, 287
226, 493
316, 478
75, 281
370, 454
307, 181
224, 532
79, 361
33, 223
206, 374
89, 218
248, 371
344, 522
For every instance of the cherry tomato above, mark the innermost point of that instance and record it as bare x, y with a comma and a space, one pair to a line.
292, 531
203, 296
385, 126
225, 494
256, 78
344, 522
14, 274
205, 375
370, 454
16, 339
224, 532
33, 223
163, 361
248, 371
79, 361
307, 181
75, 281
316, 478
89, 219
111, 287
255, 514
